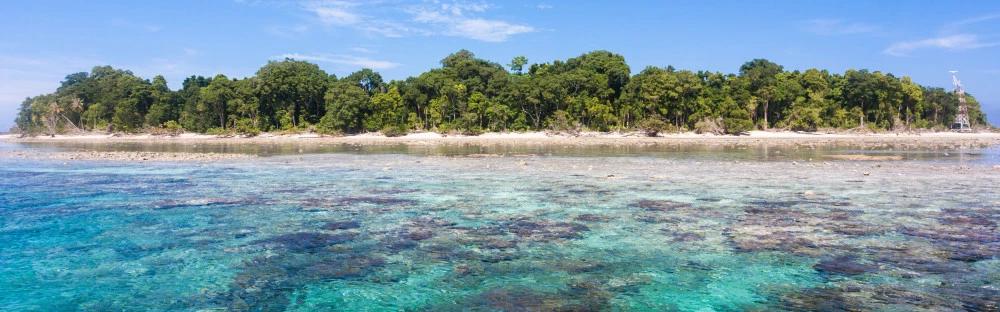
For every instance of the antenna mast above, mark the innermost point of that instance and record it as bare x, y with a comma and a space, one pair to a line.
961, 123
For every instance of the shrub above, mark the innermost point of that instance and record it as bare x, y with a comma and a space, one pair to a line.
171, 128
561, 121
737, 126
246, 127
394, 131
220, 132
710, 125
652, 126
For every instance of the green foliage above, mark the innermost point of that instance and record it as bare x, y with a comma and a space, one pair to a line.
346, 106
295, 87
737, 125
595, 90
653, 126
517, 64
710, 125
171, 128
561, 121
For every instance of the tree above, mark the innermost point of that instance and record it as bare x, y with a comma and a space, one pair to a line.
595, 90
345, 108
214, 99
517, 64
762, 77
387, 111
165, 105
292, 88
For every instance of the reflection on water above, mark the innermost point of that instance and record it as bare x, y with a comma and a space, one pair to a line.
405, 228
688, 150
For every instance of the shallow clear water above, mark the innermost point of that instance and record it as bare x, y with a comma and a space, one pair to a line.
388, 229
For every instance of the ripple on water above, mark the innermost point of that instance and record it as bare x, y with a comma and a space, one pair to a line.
340, 232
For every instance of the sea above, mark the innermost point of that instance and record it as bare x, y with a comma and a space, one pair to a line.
752, 227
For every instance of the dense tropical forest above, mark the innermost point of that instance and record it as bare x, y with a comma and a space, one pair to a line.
594, 91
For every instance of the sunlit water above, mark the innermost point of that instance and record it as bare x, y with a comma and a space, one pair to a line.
395, 229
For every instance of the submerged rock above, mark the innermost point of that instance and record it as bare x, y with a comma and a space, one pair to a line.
590, 217
516, 300
580, 296
496, 243
546, 230
375, 200
355, 266
265, 284
419, 234
661, 205
819, 299
396, 244
844, 265
342, 225
308, 241
206, 202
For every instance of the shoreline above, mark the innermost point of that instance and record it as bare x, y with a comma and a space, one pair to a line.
934, 139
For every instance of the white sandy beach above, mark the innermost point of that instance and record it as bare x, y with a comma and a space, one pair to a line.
544, 138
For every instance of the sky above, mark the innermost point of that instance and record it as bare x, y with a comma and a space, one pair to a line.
43, 41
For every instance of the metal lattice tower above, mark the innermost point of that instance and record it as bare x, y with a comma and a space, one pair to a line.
961, 123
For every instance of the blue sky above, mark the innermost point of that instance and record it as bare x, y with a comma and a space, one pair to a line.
42, 41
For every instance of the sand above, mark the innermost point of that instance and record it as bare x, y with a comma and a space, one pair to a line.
122, 156
936, 139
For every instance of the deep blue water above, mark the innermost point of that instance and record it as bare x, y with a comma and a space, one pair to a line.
396, 229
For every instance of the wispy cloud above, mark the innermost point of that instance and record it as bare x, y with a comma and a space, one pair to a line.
487, 30
544, 6
949, 42
454, 20
830, 27
390, 19
334, 12
954, 36
973, 20
342, 59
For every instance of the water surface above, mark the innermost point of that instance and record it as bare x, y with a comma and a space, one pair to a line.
403, 228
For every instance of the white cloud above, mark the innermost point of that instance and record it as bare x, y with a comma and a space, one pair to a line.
950, 42
973, 20
336, 15
342, 59
543, 6
390, 19
454, 22
488, 30
829, 27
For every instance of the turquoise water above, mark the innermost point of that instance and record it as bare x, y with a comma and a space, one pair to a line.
399, 230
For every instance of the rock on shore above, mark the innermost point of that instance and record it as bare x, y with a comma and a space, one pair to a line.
122, 156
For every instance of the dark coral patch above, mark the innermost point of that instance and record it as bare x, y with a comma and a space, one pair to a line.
375, 200
418, 234
341, 225
546, 230
590, 217
307, 241
660, 205
844, 265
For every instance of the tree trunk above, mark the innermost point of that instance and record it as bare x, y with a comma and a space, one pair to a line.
766, 104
